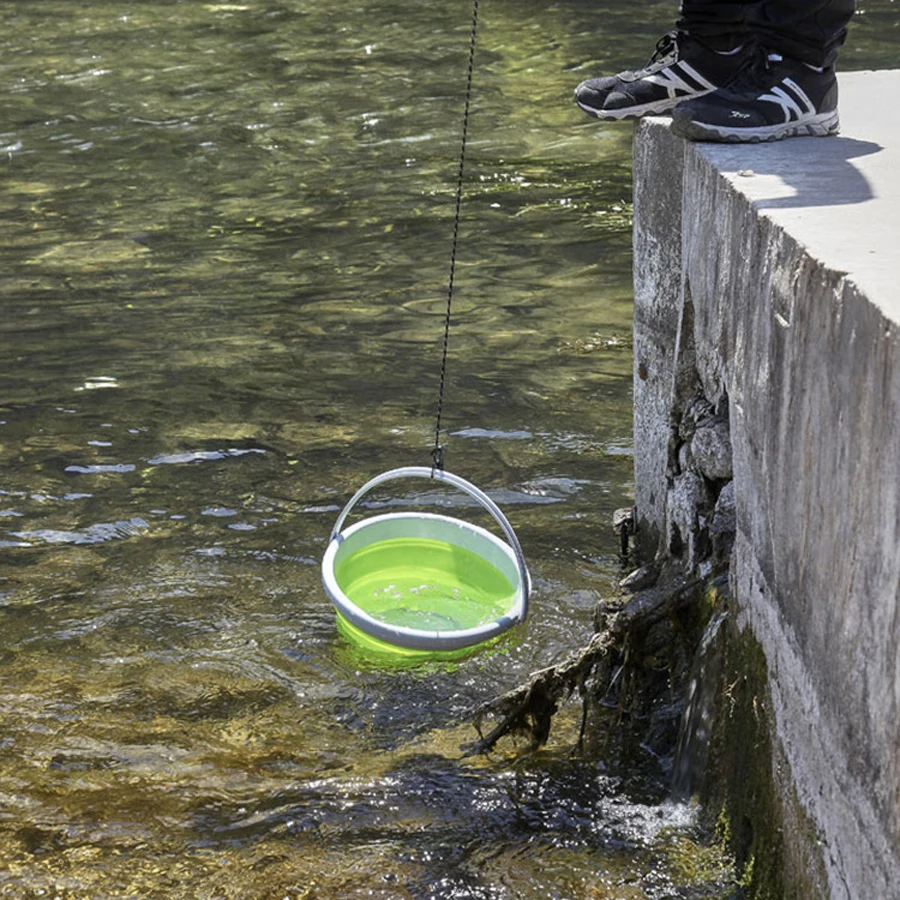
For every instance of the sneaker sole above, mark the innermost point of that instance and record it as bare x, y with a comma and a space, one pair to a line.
821, 125
637, 112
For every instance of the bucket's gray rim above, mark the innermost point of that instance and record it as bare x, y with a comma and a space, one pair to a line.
414, 638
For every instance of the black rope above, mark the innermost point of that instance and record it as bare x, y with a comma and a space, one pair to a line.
437, 454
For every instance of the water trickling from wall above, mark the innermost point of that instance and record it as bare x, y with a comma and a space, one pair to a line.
699, 711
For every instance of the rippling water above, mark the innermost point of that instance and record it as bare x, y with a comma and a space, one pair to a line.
226, 233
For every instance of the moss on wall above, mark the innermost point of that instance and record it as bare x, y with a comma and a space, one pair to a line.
748, 789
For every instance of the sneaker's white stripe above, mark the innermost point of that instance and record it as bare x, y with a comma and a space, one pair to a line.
670, 79
793, 107
800, 94
704, 83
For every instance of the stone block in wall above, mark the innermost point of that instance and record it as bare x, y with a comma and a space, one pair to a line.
711, 450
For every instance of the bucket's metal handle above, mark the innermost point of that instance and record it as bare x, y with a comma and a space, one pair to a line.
463, 485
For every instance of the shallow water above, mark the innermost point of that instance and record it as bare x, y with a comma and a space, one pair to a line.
226, 233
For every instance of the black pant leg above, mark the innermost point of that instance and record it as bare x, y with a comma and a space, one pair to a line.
721, 24
809, 30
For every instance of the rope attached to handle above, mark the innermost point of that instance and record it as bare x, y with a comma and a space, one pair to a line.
437, 454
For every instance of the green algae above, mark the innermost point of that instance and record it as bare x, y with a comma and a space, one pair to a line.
748, 789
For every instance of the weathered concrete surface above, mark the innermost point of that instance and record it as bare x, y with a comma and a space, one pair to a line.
767, 279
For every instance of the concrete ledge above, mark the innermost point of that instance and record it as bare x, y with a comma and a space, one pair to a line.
767, 277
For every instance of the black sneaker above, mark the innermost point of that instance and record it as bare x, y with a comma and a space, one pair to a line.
681, 67
774, 98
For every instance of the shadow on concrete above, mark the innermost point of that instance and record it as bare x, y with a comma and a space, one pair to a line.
801, 172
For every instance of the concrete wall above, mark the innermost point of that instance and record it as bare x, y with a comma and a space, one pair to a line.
767, 279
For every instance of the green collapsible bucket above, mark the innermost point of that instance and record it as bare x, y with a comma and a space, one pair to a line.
421, 583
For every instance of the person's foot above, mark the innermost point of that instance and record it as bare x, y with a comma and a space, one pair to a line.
774, 98
681, 67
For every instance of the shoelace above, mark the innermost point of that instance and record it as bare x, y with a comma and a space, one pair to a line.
758, 72
666, 46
